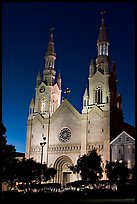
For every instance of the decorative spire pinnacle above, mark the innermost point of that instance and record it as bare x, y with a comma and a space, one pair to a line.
51, 34
38, 79
38, 76
103, 13
91, 68
114, 67
118, 94
50, 50
102, 34
32, 103
86, 92
50, 57
59, 80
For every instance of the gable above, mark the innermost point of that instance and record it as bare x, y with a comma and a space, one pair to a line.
123, 138
39, 118
97, 112
98, 79
66, 109
55, 89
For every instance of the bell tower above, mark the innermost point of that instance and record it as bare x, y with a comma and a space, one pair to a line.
48, 89
102, 60
98, 93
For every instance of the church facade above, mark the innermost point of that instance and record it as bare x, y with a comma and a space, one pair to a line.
57, 134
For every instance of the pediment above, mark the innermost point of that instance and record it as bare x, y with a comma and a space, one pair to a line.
123, 135
66, 107
98, 111
55, 89
98, 76
39, 118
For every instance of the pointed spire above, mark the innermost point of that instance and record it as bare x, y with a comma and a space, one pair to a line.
38, 81
86, 92
102, 60
118, 94
119, 100
50, 50
32, 103
59, 80
50, 57
102, 34
91, 68
114, 67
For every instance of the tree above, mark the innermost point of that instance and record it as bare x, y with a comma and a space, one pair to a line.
7, 157
133, 172
49, 174
117, 171
26, 171
89, 167
30, 173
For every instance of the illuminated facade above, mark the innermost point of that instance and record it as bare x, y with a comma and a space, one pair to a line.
69, 134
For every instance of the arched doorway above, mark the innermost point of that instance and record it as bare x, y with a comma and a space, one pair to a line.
64, 174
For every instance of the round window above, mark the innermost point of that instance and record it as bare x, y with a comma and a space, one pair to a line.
64, 135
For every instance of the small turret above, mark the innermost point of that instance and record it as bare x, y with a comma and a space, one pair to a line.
59, 81
91, 68
85, 98
114, 68
50, 57
38, 81
31, 107
102, 60
85, 101
119, 101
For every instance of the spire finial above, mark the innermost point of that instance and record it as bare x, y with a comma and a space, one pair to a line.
51, 34
51, 30
102, 13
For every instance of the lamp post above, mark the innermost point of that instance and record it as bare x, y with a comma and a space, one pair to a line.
42, 144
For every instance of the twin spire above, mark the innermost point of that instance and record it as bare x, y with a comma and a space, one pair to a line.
102, 37
50, 50
49, 72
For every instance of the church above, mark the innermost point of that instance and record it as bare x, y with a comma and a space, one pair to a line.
57, 134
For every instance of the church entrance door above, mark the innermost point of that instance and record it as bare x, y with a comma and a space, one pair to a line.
63, 175
66, 178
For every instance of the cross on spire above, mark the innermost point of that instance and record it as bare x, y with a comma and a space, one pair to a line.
66, 92
51, 30
103, 12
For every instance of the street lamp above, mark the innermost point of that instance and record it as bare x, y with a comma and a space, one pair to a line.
42, 144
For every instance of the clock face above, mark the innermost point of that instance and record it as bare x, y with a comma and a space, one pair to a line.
64, 135
42, 89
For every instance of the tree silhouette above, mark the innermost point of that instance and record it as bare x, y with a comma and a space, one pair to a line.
25, 171
117, 172
7, 157
49, 174
89, 167
133, 172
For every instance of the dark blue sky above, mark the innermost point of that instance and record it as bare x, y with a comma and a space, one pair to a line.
25, 36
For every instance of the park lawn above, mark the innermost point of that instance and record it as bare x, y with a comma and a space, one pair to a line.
89, 200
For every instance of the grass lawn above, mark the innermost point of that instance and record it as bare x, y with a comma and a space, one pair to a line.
88, 200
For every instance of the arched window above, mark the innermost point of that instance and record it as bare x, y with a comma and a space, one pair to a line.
95, 96
100, 49
107, 99
84, 102
98, 95
43, 105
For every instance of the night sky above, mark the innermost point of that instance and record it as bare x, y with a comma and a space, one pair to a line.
25, 37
